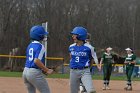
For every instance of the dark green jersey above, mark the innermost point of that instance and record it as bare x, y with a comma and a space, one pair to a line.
107, 58
130, 58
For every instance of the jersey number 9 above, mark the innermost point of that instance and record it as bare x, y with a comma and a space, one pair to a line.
30, 54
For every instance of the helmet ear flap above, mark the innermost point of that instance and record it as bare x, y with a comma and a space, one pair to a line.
78, 37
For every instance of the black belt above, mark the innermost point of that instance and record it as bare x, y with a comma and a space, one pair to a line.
81, 68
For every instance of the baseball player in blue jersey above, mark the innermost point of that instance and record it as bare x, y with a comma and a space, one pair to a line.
81, 56
35, 59
82, 87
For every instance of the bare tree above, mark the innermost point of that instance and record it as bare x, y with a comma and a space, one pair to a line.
112, 23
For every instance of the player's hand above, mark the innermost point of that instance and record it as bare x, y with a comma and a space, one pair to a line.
50, 71
125, 62
99, 67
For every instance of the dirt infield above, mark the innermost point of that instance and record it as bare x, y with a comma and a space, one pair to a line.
16, 85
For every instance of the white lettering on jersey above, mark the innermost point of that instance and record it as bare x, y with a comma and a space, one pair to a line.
78, 53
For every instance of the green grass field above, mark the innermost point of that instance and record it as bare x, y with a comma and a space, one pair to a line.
65, 76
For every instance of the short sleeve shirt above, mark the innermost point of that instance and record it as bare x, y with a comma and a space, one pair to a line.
34, 50
107, 58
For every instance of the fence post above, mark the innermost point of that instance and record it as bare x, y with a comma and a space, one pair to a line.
62, 69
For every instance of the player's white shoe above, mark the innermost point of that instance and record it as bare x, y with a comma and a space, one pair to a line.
129, 88
82, 89
104, 87
125, 88
108, 88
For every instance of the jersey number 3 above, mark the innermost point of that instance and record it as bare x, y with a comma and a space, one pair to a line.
77, 59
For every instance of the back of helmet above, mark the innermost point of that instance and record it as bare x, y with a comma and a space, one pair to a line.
37, 33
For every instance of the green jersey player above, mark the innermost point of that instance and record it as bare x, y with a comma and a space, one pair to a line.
129, 64
107, 60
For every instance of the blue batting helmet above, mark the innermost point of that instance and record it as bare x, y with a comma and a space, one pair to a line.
80, 32
37, 33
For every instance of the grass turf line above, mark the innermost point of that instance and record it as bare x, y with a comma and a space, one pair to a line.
65, 76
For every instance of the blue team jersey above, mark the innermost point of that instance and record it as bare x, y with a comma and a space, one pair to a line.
80, 55
34, 50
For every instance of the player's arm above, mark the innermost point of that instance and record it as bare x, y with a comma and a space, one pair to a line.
134, 59
101, 61
96, 60
42, 66
91, 62
38, 56
125, 62
133, 62
128, 62
94, 55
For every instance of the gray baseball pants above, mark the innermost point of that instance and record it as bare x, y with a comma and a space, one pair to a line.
85, 76
33, 78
